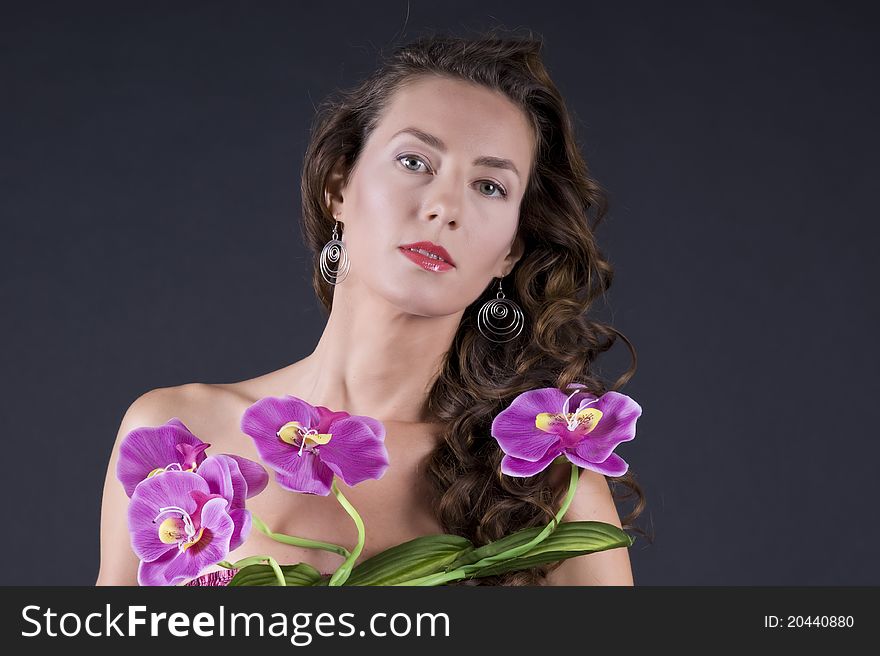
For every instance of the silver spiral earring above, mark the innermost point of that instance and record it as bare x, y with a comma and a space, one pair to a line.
500, 319
333, 253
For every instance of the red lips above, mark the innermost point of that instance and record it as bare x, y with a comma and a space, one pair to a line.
433, 248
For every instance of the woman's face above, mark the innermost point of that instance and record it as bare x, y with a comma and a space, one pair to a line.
447, 163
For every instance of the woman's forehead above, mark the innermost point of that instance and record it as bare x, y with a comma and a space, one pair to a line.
458, 115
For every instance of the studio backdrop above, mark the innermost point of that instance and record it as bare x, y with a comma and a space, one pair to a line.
149, 195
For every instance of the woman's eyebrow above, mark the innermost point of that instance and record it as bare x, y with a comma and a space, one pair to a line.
436, 142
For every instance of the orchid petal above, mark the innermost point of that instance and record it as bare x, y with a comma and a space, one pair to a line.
618, 424
514, 427
153, 572
613, 465
174, 421
189, 454
524, 468
147, 448
376, 426
201, 499
306, 474
224, 477
241, 518
214, 518
582, 400
255, 475
174, 570
326, 417
355, 452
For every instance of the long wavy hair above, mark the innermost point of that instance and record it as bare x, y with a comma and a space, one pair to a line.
561, 273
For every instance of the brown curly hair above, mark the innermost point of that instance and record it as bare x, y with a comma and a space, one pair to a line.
561, 273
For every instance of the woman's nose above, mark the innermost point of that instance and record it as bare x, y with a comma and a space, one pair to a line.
445, 201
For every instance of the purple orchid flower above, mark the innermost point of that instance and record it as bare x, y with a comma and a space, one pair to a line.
540, 425
178, 527
306, 445
150, 450
147, 450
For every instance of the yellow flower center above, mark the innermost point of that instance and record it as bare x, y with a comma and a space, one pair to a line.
583, 422
178, 530
171, 531
296, 434
191, 543
171, 467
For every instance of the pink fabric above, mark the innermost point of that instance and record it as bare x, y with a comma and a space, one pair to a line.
219, 578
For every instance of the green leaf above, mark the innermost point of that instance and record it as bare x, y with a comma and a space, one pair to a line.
301, 574
570, 539
516, 539
421, 556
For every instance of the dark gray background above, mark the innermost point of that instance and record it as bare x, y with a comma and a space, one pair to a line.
149, 171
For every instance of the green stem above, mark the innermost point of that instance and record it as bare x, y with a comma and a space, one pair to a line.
438, 579
298, 542
256, 560
341, 575
528, 546
244, 562
278, 573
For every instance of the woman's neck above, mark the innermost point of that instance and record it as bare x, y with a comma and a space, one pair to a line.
375, 360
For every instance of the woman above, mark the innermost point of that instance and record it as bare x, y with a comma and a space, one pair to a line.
453, 181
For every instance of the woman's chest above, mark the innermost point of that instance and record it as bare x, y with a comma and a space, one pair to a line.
394, 508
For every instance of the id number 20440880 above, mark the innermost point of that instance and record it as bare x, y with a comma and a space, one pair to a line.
808, 621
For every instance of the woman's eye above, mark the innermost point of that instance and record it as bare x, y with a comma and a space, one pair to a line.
410, 158
498, 188
412, 162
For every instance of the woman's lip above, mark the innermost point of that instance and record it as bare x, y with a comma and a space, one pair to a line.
427, 263
431, 247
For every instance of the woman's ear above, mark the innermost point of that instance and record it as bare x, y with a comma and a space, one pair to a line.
513, 256
334, 186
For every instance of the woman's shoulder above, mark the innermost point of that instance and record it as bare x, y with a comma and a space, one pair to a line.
161, 400
211, 411
202, 399
190, 400
198, 393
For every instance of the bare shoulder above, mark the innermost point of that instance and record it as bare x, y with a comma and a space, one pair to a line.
157, 406
592, 501
192, 398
